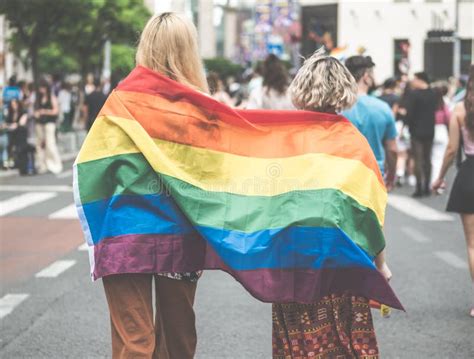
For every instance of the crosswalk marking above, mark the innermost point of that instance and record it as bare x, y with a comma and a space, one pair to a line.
55, 269
452, 259
415, 209
83, 247
24, 200
68, 212
415, 235
9, 301
30, 188
64, 174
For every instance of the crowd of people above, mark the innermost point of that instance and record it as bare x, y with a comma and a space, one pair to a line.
406, 125
417, 125
414, 127
30, 120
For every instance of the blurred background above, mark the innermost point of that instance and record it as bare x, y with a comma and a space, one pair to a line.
77, 51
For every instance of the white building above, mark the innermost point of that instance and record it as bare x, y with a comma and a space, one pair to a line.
9, 63
379, 26
200, 11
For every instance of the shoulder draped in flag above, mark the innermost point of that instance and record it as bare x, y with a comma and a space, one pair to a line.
290, 203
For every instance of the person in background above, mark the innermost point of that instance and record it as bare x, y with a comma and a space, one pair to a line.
441, 137
64, 100
390, 96
216, 87
22, 151
46, 114
420, 104
461, 199
10, 92
256, 82
93, 103
3, 138
373, 118
273, 94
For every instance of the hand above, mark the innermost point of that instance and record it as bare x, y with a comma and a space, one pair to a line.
385, 271
439, 184
389, 186
37, 114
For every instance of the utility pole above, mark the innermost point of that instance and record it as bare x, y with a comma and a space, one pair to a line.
457, 43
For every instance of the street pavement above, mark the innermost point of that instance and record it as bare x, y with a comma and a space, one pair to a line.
49, 308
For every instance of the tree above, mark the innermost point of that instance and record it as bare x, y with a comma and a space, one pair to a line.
35, 23
78, 28
119, 21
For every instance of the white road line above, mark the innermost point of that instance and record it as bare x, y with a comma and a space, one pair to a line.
415, 209
64, 174
24, 200
451, 259
68, 212
415, 234
9, 301
8, 173
13, 188
55, 269
83, 247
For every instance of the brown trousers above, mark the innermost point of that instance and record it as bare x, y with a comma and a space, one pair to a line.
134, 335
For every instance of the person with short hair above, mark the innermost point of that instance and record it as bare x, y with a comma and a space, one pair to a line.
326, 328
373, 118
389, 94
421, 104
93, 103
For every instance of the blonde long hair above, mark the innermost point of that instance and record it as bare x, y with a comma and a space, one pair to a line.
168, 44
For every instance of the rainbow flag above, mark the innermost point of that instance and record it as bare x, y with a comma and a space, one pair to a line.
290, 203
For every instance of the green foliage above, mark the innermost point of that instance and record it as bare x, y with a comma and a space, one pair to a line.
123, 61
51, 59
223, 67
70, 34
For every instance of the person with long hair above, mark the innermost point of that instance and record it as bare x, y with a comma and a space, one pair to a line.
46, 115
461, 199
328, 328
273, 94
168, 45
216, 88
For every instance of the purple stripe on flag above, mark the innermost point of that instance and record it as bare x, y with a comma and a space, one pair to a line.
173, 253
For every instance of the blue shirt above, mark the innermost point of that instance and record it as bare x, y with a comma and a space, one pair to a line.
9, 93
375, 120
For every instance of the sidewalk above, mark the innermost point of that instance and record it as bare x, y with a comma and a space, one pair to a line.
69, 144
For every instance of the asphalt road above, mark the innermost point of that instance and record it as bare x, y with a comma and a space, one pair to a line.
57, 312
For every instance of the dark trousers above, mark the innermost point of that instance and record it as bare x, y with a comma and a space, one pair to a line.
421, 149
134, 335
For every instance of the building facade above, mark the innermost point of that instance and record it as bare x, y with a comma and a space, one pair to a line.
393, 32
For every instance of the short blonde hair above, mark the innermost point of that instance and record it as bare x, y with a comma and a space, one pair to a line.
168, 44
323, 84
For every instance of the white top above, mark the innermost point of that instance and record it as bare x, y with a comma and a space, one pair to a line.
269, 99
64, 100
